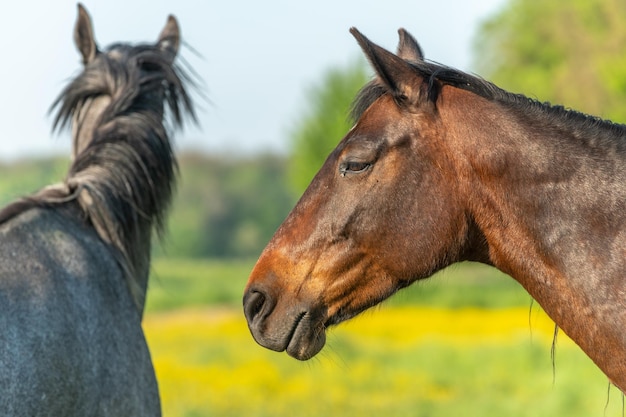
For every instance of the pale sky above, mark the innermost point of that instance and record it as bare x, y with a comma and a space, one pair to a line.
257, 58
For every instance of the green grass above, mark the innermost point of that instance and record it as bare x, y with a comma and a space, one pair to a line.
177, 283
465, 285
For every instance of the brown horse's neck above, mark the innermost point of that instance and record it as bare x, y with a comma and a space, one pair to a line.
551, 207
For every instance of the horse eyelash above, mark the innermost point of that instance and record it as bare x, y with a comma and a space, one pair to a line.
344, 168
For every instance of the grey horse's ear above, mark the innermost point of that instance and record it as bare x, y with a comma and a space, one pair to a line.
84, 37
169, 39
408, 48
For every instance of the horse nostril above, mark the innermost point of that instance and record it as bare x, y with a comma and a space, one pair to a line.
253, 304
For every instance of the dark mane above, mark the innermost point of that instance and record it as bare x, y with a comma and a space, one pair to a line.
438, 75
128, 74
123, 176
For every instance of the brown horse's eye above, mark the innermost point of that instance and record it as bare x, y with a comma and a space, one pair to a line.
353, 167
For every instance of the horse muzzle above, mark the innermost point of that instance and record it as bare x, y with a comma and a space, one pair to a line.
296, 328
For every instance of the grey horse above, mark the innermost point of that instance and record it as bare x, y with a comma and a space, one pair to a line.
75, 257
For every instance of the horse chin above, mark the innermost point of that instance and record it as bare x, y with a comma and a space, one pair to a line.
305, 351
308, 336
306, 340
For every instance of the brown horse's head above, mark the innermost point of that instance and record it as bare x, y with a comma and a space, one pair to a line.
382, 212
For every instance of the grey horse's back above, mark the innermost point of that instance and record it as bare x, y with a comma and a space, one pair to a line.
71, 342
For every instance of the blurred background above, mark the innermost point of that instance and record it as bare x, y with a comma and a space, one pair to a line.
276, 80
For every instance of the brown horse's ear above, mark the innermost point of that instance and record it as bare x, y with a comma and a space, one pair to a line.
169, 39
84, 37
408, 48
403, 81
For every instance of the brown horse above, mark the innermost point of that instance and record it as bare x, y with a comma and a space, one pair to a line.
443, 167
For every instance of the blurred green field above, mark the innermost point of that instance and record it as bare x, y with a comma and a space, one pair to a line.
465, 343
184, 283
176, 283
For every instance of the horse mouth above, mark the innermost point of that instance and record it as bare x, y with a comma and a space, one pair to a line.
306, 339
